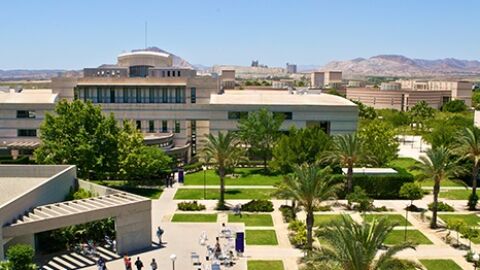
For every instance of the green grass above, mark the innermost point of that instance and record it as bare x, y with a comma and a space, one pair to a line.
397, 219
265, 265
444, 183
397, 236
261, 237
440, 265
210, 218
455, 194
230, 194
246, 176
152, 193
263, 220
468, 219
322, 220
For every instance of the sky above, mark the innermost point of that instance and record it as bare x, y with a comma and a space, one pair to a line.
73, 34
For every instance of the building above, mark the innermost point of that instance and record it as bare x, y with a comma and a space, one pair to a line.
173, 106
403, 94
326, 79
33, 201
291, 68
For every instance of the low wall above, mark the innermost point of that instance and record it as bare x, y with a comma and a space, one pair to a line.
97, 190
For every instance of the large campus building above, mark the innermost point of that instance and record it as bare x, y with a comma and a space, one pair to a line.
173, 106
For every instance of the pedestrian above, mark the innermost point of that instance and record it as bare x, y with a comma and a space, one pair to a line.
101, 263
153, 265
125, 261
160, 232
129, 264
139, 264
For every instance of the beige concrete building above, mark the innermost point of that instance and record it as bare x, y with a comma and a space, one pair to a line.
173, 106
326, 79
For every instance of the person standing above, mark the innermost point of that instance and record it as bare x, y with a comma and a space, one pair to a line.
153, 265
101, 263
160, 232
139, 264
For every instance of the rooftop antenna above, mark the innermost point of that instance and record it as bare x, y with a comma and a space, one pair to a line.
146, 25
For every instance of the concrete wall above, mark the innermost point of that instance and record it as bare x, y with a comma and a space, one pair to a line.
97, 190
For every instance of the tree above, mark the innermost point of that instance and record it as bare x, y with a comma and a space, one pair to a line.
443, 130
223, 152
454, 106
145, 164
309, 185
349, 245
348, 151
364, 111
20, 257
469, 148
260, 130
437, 165
382, 145
78, 133
300, 146
411, 191
420, 113
476, 99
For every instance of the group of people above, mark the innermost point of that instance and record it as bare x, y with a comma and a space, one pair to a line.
138, 263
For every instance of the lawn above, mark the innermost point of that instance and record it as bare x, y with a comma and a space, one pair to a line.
455, 194
230, 194
246, 176
210, 218
321, 220
397, 219
468, 219
440, 265
263, 220
397, 236
262, 265
261, 237
152, 193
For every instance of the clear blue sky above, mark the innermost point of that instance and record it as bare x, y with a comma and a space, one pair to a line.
72, 34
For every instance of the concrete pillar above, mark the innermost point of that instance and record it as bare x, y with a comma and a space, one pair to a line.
2, 253
134, 231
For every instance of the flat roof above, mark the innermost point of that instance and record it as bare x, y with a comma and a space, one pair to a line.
268, 97
34, 96
144, 53
371, 171
12, 187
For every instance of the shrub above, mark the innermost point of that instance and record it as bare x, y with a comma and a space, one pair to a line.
258, 206
78, 195
454, 106
411, 191
288, 213
441, 207
362, 202
190, 206
383, 186
298, 233
193, 167
20, 257
323, 208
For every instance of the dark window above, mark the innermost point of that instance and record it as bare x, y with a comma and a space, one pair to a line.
139, 124
139, 71
237, 115
151, 95
151, 126
27, 133
285, 115
164, 126
193, 95
163, 73
445, 99
112, 95
125, 95
193, 127
26, 114
168, 73
139, 95
179, 95
178, 73
177, 126
164, 95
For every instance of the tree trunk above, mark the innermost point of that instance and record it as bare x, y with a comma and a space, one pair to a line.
309, 230
221, 202
349, 177
474, 183
436, 190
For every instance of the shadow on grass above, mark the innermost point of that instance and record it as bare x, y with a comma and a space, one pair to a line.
232, 191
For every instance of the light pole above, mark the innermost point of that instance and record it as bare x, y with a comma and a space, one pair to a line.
475, 259
173, 257
406, 222
204, 168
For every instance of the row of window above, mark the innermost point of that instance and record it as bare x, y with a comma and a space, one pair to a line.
241, 115
135, 95
163, 128
26, 132
26, 114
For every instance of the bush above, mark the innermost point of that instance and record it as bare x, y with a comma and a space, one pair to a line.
411, 191
441, 207
258, 206
191, 206
298, 233
20, 257
323, 208
383, 186
19, 160
454, 106
78, 195
288, 213
362, 202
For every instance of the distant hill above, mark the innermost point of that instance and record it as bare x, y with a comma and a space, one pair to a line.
398, 65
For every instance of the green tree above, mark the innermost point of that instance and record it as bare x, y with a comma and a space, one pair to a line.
469, 148
223, 152
382, 145
420, 113
78, 133
443, 130
364, 111
438, 165
20, 257
349, 245
260, 131
476, 99
411, 191
309, 185
145, 164
347, 150
454, 106
300, 146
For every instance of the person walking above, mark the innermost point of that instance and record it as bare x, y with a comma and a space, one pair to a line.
101, 263
139, 264
153, 265
125, 262
160, 232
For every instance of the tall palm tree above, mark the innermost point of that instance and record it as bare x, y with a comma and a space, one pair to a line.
309, 185
348, 151
438, 165
223, 153
349, 245
469, 148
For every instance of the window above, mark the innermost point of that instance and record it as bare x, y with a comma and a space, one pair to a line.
112, 95
193, 137
151, 126
125, 95
138, 94
163, 73
177, 126
286, 115
168, 73
164, 95
178, 73
193, 95
27, 133
26, 114
151, 95
139, 124
179, 95
237, 115
164, 126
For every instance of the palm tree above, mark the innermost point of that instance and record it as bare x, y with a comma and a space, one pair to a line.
348, 151
349, 245
469, 147
309, 185
437, 165
223, 153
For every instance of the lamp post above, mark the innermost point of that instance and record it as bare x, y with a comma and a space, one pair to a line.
204, 168
475, 259
173, 257
406, 222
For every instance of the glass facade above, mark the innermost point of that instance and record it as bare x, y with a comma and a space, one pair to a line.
27, 133
26, 114
193, 95
138, 71
130, 94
